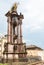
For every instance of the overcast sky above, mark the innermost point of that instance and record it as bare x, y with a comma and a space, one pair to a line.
33, 23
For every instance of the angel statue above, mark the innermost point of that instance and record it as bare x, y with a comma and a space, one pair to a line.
14, 7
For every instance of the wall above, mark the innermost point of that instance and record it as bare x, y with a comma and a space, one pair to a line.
2, 41
41, 53
35, 53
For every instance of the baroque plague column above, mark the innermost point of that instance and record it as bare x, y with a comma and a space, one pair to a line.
15, 49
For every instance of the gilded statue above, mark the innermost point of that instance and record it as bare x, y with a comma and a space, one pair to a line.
14, 7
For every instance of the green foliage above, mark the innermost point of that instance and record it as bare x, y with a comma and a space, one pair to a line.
3, 64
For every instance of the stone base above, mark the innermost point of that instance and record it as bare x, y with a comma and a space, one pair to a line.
18, 63
15, 60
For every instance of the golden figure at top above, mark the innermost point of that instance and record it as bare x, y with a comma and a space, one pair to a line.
14, 7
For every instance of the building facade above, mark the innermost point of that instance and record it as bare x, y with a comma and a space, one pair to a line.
3, 40
35, 51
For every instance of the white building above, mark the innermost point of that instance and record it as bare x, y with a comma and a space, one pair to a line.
3, 39
0, 49
33, 50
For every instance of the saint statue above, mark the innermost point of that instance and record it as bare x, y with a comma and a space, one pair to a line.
14, 7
